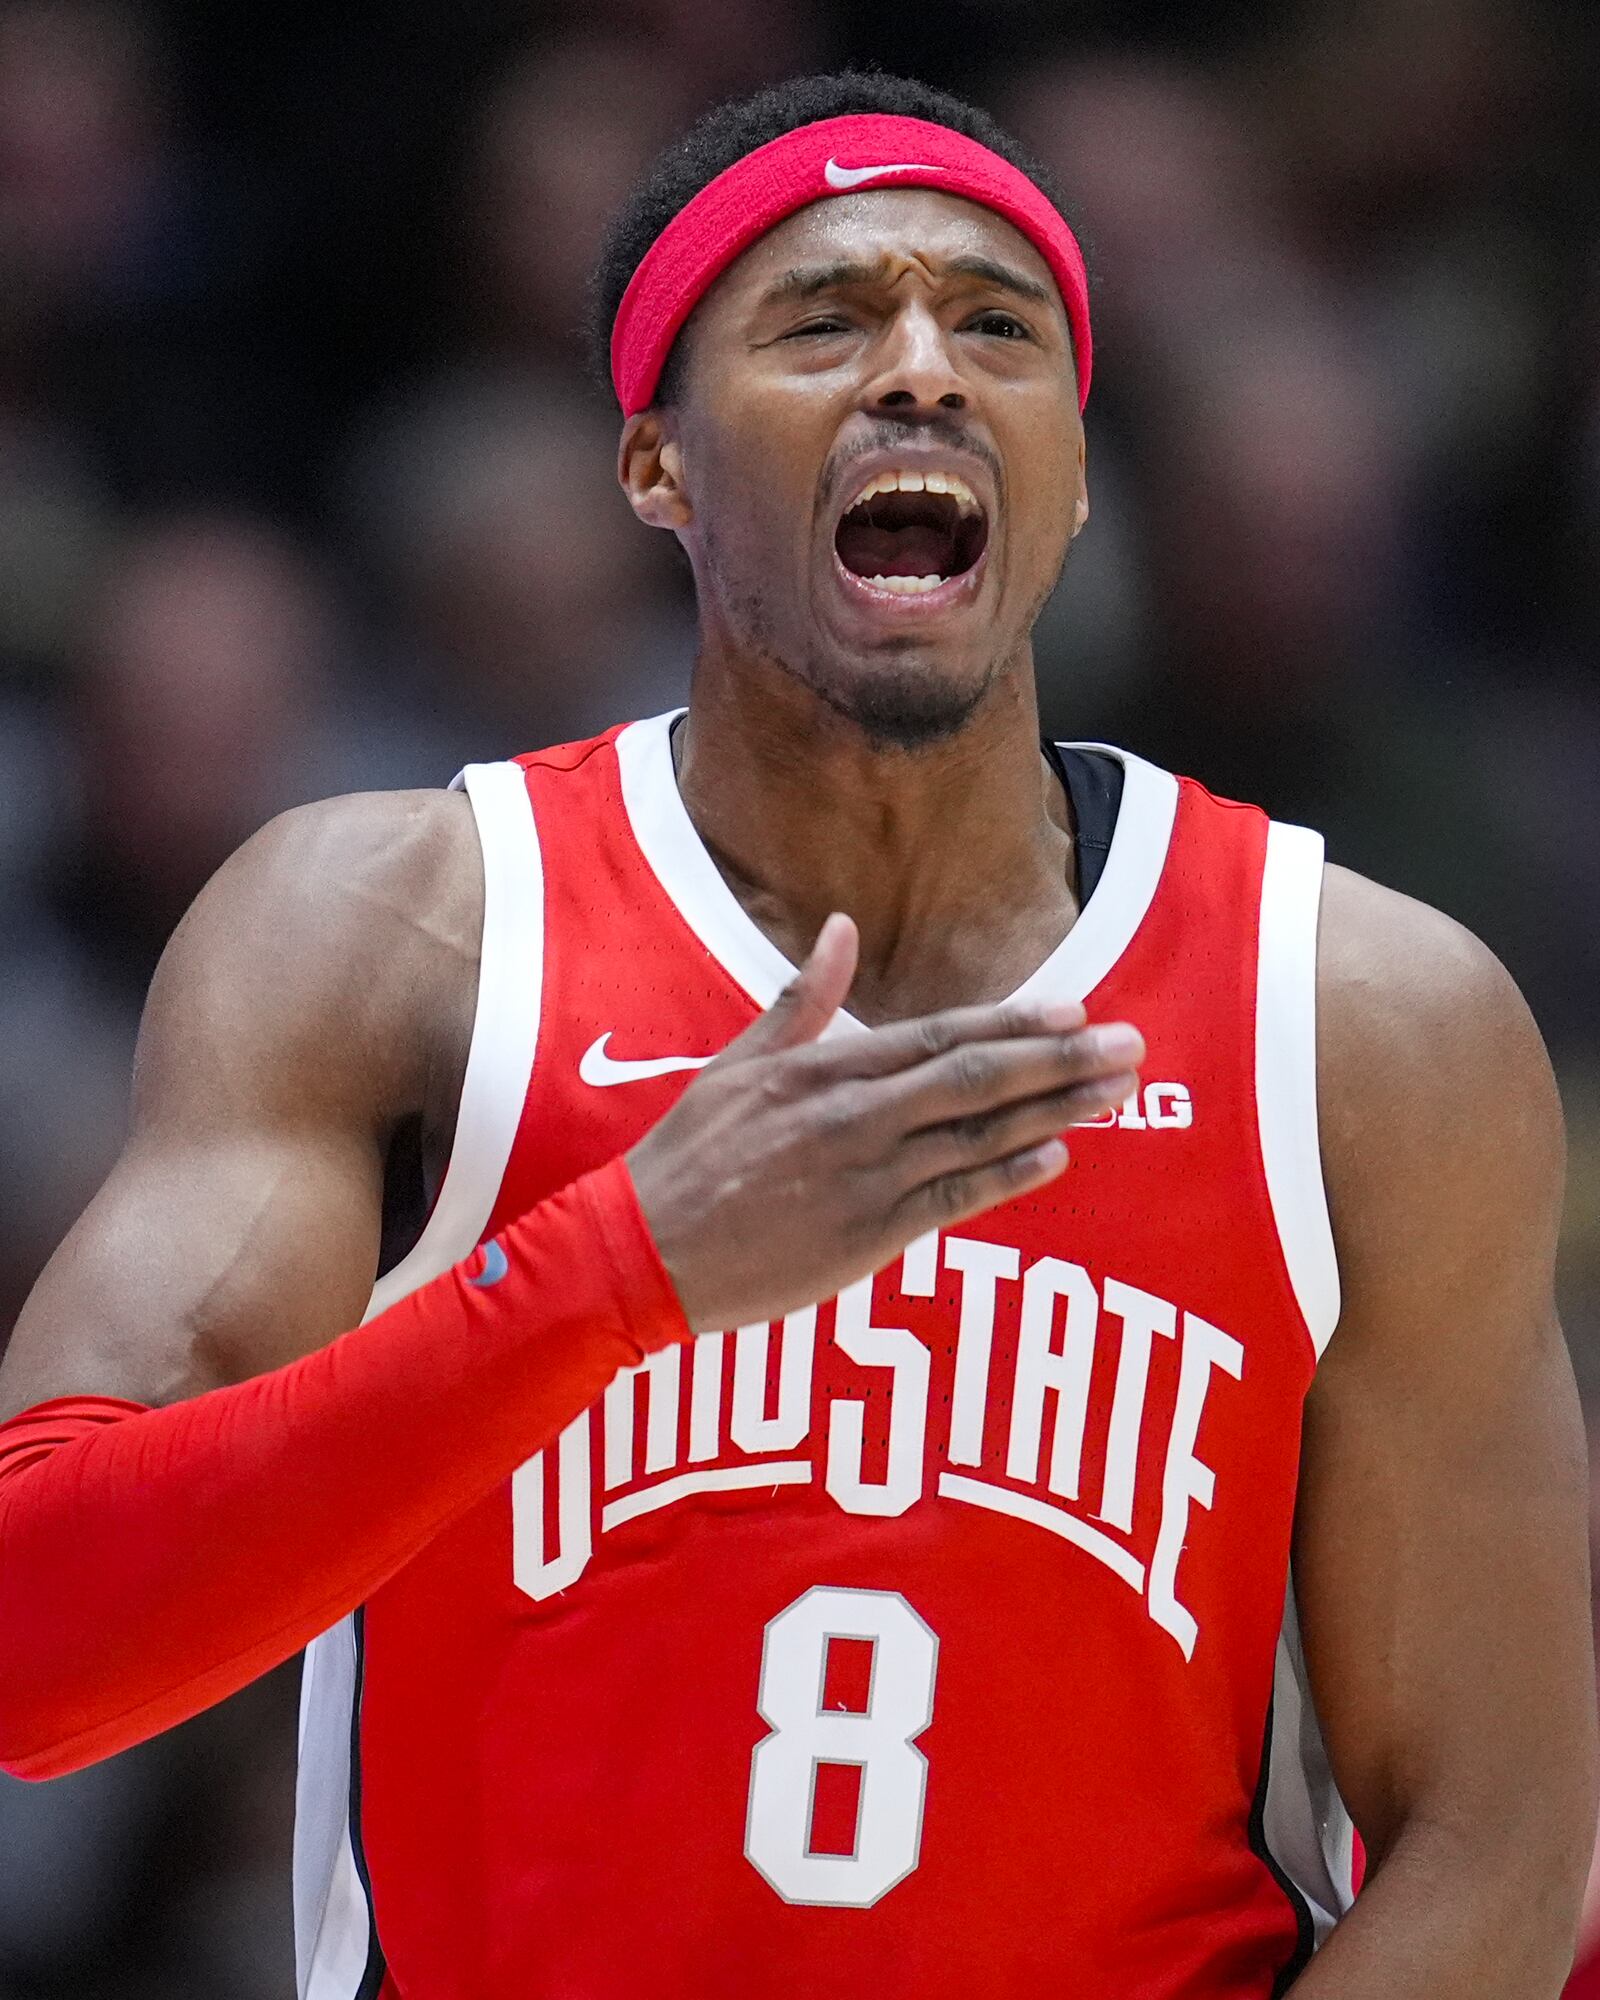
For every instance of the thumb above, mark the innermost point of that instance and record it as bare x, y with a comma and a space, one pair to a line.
811, 999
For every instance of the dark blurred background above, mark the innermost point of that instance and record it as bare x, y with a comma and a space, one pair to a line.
302, 490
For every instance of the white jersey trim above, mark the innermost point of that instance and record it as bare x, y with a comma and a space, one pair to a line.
332, 1929
333, 1940
1304, 1822
505, 1029
679, 860
681, 863
1122, 897
1286, 1073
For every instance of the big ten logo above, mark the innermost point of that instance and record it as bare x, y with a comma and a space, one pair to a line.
1159, 1107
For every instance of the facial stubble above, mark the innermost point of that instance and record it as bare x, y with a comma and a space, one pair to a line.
897, 704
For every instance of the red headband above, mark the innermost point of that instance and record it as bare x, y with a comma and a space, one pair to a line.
834, 156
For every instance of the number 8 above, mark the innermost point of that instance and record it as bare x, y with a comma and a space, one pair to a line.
881, 1742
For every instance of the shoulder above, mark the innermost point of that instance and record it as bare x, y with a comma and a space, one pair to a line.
1436, 1101
315, 858
338, 943
350, 890
1411, 998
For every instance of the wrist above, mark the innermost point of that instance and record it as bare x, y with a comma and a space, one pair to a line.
648, 1310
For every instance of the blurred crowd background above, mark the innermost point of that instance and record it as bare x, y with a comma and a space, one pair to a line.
303, 489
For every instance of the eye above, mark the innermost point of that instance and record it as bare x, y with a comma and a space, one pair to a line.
1001, 325
825, 323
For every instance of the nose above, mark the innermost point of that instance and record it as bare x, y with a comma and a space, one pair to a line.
915, 366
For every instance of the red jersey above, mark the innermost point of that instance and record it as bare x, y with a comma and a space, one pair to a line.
1585, 1981
935, 1640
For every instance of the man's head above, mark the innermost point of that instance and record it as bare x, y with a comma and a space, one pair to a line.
866, 431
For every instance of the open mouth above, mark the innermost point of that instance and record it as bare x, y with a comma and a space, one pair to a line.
910, 532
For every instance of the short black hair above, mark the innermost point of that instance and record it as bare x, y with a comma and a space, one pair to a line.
725, 135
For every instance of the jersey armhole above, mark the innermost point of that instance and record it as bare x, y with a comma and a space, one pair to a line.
505, 1030
1286, 1073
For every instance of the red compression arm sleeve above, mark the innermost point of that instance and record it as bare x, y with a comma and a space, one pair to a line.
153, 1561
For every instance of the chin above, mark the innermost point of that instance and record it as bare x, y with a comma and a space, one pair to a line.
899, 705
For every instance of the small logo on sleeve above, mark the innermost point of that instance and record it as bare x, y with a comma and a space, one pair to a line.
495, 1265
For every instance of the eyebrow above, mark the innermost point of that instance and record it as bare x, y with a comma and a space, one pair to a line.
810, 279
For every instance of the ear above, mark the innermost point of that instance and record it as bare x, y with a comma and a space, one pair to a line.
1080, 506
650, 469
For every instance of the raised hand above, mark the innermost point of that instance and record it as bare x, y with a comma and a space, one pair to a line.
792, 1166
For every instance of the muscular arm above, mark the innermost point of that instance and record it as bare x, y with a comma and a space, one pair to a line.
154, 1559
319, 992
1440, 1555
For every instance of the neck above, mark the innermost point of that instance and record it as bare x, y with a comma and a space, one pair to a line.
954, 859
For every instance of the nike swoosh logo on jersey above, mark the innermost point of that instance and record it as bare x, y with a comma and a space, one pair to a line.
601, 1070
850, 177
495, 1265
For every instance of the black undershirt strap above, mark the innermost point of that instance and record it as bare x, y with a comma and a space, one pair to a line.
1092, 781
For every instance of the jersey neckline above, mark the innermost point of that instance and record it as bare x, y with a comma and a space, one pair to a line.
682, 864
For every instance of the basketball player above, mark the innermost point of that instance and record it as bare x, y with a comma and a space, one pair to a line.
780, 1528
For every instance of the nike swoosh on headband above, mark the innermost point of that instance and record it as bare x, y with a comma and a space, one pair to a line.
849, 177
601, 1070
831, 156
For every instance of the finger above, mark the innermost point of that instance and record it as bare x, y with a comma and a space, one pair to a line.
956, 1198
979, 1141
981, 1077
811, 999
900, 1045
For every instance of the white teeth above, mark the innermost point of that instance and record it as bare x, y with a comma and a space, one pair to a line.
907, 586
920, 482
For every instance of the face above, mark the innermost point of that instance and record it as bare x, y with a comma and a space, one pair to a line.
873, 455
